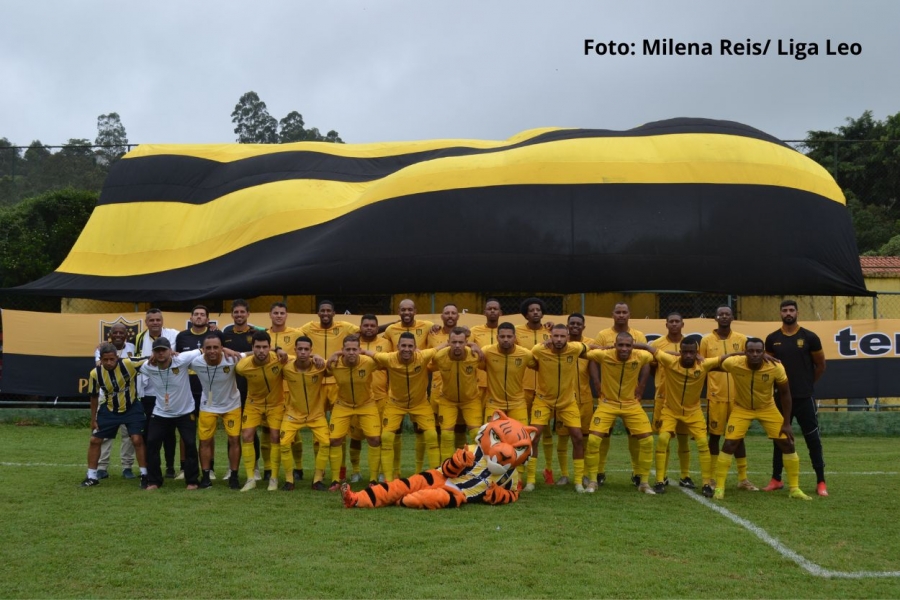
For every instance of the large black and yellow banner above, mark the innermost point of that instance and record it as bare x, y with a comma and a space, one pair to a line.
52, 354
683, 204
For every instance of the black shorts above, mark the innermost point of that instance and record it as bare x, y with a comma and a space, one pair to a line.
108, 422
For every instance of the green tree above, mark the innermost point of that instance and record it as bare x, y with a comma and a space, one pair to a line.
863, 156
253, 123
291, 129
38, 233
891, 247
111, 137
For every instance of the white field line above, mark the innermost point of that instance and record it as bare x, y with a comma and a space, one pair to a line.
783, 550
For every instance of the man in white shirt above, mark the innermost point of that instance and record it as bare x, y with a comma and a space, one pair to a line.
144, 347
220, 398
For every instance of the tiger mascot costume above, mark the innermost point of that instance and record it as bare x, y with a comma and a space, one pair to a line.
486, 474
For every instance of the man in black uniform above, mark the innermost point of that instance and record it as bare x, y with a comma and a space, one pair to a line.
800, 352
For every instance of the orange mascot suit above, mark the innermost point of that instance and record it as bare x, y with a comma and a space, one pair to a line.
485, 473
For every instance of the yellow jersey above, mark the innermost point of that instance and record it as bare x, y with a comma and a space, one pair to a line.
306, 402
420, 329
505, 374
408, 382
459, 377
264, 382
355, 383
719, 386
754, 387
683, 385
528, 339
607, 337
618, 379
557, 373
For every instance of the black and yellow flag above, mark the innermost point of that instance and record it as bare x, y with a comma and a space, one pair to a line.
683, 204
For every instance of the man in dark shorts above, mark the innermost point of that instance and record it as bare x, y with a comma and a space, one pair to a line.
800, 351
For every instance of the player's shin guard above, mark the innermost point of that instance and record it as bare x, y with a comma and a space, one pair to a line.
447, 445
645, 458
684, 455
420, 451
430, 438
387, 453
287, 459
792, 469
634, 449
249, 457
722, 467
334, 457
741, 468
374, 462
604, 452
705, 460
592, 456
662, 454
275, 458
531, 471
562, 455
578, 464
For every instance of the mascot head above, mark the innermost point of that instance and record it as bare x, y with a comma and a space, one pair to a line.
504, 442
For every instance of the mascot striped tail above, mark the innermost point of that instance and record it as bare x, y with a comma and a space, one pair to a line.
485, 473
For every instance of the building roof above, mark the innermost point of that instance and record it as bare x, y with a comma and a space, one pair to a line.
880, 266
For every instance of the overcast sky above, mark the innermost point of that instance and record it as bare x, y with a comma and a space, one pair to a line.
390, 70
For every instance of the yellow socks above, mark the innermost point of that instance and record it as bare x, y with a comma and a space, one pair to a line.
578, 463
604, 452
387, 453
275, 459
297, 451
248, 454
334, 457
722, 467
547, 448
448, 439
592, 456
354, 458
393, 463
645, 457
684, 454
287, 459
374, 462
792, 469
420, 450
662, 454
265, 449
741, 468
634, 449
430, 439
705, 460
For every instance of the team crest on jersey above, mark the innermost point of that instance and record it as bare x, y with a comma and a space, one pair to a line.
569, 359
800, 343
337, 331
362, 373
518, 362
275, 369
418, 332
230, 423
132, 329
697, 373
226, 369
596, 420
417, 369
378, 349
634, 365
175, 370
287, 340
714, 424
731, 429
315, 378
546, 336
765, 377
736, 346
249, 338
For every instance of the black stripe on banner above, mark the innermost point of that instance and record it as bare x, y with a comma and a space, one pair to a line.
860, 378
173, 178
736, 239
45, 375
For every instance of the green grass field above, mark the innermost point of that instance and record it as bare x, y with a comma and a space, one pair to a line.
60, 540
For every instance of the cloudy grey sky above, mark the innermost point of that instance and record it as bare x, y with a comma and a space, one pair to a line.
381, 70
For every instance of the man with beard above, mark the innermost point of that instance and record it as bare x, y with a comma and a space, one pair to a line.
118, 335
459, 396
800, 351
419, 329
486, 335
720, 390
529, 335
370, 339
557, 382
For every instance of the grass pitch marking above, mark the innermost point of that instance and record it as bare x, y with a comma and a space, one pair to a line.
809, 566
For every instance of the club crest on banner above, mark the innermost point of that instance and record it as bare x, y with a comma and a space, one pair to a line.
133, 329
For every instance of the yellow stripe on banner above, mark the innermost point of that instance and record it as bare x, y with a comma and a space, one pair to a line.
188, 234
231, 152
